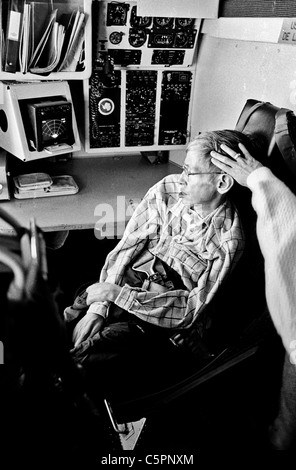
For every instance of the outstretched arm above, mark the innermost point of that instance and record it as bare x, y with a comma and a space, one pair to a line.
275, 206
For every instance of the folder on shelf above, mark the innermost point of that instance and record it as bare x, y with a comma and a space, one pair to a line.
67, 19
61, 44
13, 31
1, 38
40, 13
4, 16
74, 44
37, 55
25, 40
50, 56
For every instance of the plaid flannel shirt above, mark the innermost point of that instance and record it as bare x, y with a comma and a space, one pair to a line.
201, 250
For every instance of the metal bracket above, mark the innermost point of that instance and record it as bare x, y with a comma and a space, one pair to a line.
128, 433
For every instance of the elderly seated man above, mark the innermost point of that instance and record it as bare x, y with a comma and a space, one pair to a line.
188, 231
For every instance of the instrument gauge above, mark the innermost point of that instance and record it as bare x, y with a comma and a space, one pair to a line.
115, 37
139, 21
163, 22
184, 22
137, 37
117, 14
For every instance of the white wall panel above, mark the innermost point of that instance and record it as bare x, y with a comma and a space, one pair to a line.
229, 72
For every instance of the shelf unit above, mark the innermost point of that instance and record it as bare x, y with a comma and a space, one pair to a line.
65, 6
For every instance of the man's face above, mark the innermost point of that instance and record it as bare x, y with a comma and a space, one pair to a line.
200, 188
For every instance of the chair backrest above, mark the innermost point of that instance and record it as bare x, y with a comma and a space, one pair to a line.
276, 129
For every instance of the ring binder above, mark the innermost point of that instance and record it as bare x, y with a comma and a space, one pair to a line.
13, 31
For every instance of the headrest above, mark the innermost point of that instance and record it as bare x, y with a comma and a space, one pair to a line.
276, 131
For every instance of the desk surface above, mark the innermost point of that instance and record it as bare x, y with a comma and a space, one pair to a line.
105, 183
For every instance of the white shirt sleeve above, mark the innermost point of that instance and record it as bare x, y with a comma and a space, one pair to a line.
275, 206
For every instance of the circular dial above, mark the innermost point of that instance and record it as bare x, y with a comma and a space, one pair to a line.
139, 21
137, 37
116, 14
115, 37
184, 22
181, 39
163, 22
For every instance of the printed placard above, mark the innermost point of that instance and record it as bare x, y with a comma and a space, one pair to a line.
288, 31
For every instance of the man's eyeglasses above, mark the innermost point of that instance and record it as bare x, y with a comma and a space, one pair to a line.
188, 173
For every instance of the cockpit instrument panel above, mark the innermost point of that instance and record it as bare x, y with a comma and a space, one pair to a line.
142, 40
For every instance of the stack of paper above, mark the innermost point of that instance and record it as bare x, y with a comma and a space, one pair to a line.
73, 43
47, 53
61, 44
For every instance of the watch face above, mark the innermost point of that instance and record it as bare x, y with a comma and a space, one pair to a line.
106, 106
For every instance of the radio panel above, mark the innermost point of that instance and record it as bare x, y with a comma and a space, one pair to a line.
118, 27
167, 57
139, 108
123, 57
172, 39
174, 108
104, 110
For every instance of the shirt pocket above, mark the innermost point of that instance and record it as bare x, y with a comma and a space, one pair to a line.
188, 264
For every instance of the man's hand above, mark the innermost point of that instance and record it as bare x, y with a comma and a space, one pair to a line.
92, 323
238, 166
102, 292
88, 326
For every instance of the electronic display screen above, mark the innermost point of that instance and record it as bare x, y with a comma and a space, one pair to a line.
48, 123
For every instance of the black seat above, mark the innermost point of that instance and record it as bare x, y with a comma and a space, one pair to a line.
241, 325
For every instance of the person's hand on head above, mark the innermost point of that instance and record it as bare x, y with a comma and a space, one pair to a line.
237, 165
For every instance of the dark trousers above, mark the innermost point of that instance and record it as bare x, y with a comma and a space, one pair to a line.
129, 357
283, 429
